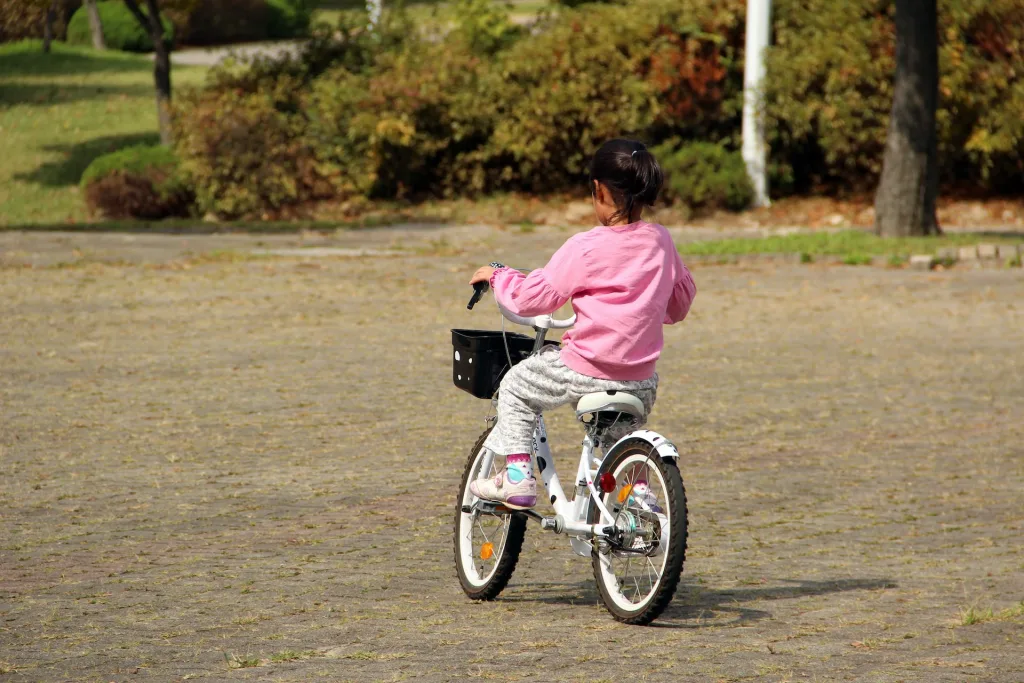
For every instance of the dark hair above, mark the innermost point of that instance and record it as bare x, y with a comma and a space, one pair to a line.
629, 171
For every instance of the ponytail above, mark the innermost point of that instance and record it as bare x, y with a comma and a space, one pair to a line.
629, 170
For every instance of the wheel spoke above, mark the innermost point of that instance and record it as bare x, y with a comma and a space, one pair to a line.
632, 578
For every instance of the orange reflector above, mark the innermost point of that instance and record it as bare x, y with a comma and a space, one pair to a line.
486, 551
607, 482
624, 493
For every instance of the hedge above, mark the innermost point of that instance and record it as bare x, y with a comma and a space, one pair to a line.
21, 19
136, 182
288, 18
704, 175
397, 114
121, 30
830, 91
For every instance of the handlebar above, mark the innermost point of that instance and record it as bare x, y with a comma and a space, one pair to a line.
540, 322
478, 292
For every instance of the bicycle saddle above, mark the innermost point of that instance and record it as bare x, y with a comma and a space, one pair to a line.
610, 402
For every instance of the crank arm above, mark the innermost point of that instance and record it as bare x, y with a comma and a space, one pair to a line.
485, 507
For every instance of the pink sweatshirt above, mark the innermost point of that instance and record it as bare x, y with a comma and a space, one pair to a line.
625, 282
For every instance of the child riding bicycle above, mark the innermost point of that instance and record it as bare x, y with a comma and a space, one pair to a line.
625, 280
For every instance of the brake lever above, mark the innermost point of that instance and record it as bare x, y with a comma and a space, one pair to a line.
478, 291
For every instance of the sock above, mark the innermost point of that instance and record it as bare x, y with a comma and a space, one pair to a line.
519, 467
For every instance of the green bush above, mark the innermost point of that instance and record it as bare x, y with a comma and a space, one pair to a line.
484, 25
577, 3
220, 22
705, 175
288, 18
121, 30
405, 129
390, 112
394, 114
607, 71
829, 92
136, 182
245, 154
21, 19
276, 134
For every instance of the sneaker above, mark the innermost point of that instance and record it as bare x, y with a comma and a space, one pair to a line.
521, 495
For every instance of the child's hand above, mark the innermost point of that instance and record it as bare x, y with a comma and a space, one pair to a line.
482, 275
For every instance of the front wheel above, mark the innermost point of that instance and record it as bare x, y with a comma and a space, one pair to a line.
638, 571
486, 545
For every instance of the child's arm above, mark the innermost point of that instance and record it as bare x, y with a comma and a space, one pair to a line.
545, 289
682, 297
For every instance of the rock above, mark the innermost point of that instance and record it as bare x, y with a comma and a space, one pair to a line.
1008, 251
835, 220
946, 254
977, 213
922, 262
986, 251
1008, 215
967, 254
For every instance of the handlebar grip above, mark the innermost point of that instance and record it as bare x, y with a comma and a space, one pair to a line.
478, 291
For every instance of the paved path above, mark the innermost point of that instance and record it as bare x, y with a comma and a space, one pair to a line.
221, 467
243, 52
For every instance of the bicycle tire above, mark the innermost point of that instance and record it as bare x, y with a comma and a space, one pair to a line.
675, 555
509, 552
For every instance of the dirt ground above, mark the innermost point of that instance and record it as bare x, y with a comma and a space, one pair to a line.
223, 466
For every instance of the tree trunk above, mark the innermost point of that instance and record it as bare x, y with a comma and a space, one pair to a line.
161, 63
162, 76
95, 25
905, 200
51, 14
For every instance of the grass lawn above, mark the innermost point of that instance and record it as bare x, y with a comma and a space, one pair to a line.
58, 112
855, 246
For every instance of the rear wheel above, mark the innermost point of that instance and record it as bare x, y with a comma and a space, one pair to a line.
637, 573
486, 545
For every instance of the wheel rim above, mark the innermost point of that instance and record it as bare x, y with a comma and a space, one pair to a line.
632, 579
476, 530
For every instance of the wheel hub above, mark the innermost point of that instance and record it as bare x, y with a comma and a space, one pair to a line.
637, 533
626, 528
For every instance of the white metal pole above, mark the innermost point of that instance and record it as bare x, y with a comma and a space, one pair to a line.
755, 151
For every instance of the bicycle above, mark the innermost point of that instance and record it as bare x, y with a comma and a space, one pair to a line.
628, 510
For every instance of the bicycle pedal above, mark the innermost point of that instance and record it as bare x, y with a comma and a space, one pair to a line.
556, 524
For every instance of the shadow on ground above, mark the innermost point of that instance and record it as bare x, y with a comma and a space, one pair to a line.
48, 94
68, 170
64, 63
694, 606
699, 607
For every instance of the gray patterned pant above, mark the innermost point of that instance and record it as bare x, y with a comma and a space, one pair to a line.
543, 382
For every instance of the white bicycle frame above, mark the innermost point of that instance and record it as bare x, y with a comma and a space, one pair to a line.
571, 515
